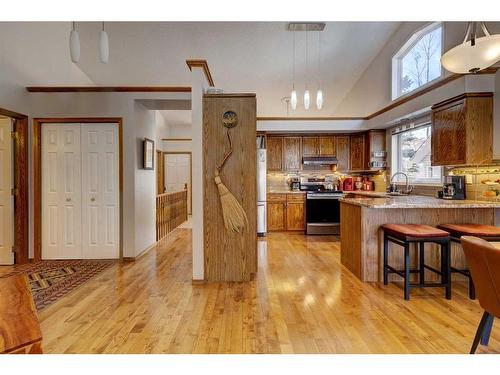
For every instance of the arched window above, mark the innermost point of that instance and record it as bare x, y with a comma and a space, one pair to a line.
418, 62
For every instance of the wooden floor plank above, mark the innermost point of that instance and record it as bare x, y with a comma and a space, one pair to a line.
302, 300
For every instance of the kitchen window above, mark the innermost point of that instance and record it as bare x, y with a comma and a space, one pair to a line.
412, 155
418, 62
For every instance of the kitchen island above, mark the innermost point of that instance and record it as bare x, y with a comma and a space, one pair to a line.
362, 238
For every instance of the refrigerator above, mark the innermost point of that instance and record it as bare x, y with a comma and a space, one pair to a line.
261, 192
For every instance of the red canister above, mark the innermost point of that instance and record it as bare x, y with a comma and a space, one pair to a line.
347, 184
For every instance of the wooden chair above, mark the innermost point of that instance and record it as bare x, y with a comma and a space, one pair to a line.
484, 262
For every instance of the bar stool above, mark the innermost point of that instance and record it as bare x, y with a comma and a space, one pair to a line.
488, 233
404, 235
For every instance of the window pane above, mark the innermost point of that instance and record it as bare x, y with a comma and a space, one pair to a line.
421, 64
415, 155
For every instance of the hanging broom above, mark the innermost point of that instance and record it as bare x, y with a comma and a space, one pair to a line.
235, 218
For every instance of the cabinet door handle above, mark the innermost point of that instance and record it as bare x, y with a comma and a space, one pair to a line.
92, 199
68, 199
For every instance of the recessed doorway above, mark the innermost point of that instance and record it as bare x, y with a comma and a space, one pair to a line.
13, 188
178, 173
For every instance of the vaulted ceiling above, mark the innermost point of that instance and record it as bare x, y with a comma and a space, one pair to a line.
243, 57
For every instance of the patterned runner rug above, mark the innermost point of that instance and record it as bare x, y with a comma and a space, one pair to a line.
51, 280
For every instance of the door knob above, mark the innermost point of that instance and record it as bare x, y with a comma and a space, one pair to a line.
68, 199
92, 199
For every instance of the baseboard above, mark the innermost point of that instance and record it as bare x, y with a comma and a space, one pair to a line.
198, 282
145, 251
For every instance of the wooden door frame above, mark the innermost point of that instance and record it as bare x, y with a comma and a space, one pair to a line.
37, 172
190, 172
21, 186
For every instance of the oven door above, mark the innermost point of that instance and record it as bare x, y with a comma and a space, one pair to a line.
322, 214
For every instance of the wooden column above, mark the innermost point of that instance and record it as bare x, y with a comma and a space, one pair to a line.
230, 256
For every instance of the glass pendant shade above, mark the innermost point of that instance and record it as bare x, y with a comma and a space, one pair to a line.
466, 58
104, 47
74, 46
293, 99
319, 99
307, 99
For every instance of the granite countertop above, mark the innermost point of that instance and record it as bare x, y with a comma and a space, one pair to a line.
417, 201
284, 191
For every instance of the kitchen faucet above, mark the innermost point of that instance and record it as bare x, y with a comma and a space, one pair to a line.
393, 184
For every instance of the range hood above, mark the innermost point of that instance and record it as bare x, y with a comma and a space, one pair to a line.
319, 160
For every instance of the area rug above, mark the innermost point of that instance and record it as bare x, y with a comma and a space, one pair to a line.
51, 280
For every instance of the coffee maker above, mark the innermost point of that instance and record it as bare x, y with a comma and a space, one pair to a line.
454, 187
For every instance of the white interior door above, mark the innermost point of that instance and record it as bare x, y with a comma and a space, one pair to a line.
178, 174
6, 199
61, 192
100, 191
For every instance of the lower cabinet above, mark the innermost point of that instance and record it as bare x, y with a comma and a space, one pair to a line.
286, 212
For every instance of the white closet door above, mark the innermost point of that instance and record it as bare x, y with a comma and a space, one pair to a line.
61, 191
100, 191
6, 200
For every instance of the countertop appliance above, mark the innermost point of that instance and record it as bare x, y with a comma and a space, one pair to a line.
261, 192
454, 187
348, 184
295, 183
322, 207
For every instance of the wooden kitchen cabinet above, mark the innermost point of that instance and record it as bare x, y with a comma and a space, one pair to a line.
286, 212
292, 158
310, 146
462, 130
357, 152
327, 146
342, 152
274, 153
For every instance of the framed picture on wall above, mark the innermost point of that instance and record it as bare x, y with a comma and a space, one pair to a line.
149, 153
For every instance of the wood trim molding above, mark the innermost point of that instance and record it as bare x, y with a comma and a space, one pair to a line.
463, 96
324, 118
21, 184
199, 63
177, 139
37, 172
53, 89
394, 104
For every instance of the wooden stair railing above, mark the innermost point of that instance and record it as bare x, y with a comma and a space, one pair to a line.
171, 211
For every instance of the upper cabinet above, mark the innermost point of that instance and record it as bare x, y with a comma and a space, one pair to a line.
358, 150
342, 152
274, 153
310, 146
292, 159
327, 145
462, 130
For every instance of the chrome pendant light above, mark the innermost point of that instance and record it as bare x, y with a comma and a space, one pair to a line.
293, 95
103, 46
74, 44
319, 93
474, 54
307, 97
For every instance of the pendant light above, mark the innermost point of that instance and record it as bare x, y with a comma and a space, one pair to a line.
307, 97
475, 54
293, 95
74, 44
319, 93
103, 46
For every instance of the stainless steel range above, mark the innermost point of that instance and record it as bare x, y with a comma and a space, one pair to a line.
322, 207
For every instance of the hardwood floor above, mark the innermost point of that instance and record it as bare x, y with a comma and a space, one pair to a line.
302, 301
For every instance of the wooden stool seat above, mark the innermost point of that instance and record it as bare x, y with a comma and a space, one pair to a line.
406, 234
417, 231
485, 232
476, 230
